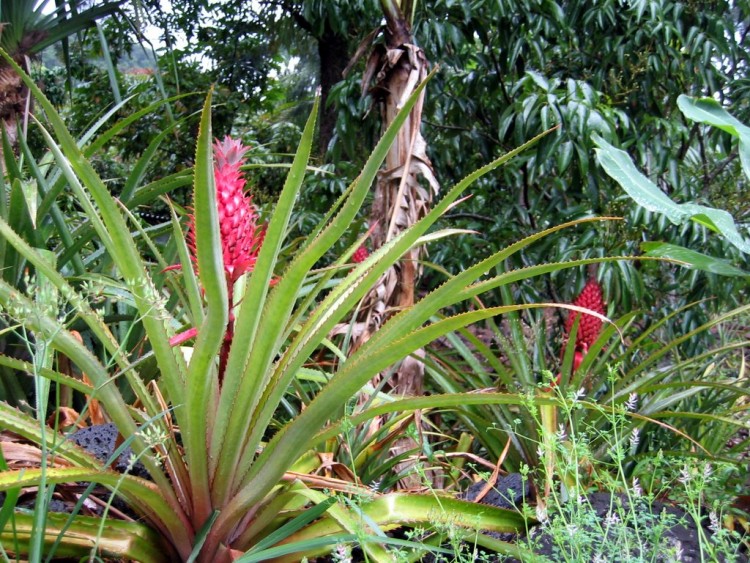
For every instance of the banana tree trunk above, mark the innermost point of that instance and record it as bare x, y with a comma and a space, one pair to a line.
403, 191
14, 101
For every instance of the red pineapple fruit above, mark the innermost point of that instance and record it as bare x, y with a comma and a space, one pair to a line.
241, 236
360, 255
589, 326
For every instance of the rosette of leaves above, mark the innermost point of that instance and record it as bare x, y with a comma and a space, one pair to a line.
681, 404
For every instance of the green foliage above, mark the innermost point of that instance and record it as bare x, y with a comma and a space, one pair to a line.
710, 112
282, 327
645, 193
618, 165
511, 69
626, 514
124, 539
509, 72
30, 26
652, 369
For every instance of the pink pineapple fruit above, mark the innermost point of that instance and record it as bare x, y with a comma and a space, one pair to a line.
241, 235
360, 255
589, 326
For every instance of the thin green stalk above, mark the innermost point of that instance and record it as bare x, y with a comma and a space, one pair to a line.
83, 311
111, 70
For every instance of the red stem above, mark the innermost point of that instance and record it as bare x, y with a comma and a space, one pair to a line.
228, 335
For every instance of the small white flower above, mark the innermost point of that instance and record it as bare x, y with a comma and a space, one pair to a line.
541, 513
611, 519
637, 489
714, 526
632, 403
678, 551
342, 554
707, 470
578, 395
684, 477
635, 438
561, 434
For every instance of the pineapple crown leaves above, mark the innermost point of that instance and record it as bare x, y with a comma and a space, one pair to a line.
346, 208
520, 274
229, 152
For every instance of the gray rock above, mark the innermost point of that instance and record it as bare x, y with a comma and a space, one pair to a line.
100, 440
510, 491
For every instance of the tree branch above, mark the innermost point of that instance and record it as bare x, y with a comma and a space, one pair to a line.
471, 216
721, 167
291, 9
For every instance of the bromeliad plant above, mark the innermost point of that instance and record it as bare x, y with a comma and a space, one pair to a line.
635, 364
228, 477
222, 481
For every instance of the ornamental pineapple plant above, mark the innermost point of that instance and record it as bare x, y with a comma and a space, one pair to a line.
241, 235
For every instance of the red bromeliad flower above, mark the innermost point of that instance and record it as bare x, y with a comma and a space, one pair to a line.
241, 236
589, 325
360, 255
